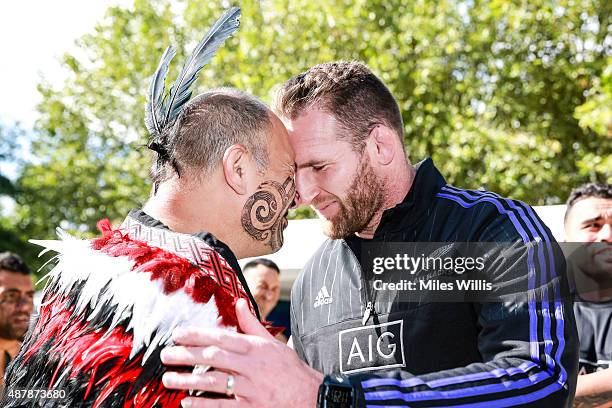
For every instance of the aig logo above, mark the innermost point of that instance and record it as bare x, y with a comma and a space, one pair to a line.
372, 347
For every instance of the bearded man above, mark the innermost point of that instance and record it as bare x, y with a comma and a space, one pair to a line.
364, 348
223, 183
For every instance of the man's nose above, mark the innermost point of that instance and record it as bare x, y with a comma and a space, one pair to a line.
605, 233
306, 189
296, 201
24, 304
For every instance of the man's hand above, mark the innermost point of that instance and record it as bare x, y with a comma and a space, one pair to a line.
267, 373
594, 390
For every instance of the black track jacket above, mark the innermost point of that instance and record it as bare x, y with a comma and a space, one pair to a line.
467, 354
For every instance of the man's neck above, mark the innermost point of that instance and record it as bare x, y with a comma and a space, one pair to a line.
10, 345
179, 208
587, 287
598, 296
397, 188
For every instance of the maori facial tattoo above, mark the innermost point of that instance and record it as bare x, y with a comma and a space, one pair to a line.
263, 215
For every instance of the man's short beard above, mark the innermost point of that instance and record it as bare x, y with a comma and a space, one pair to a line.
7, 332
364, 197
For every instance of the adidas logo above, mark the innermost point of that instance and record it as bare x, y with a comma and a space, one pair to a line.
323, 298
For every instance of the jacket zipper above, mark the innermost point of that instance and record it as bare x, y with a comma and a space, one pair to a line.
367, 313
365, 298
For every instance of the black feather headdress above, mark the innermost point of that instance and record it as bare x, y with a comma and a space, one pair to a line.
162, 110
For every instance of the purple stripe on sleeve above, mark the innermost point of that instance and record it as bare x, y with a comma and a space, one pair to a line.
558, 306
460, 393
496, 373
541, 260
411, 382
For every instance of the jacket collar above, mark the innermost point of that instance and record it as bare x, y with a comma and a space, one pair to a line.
426, 184
177, 243
207, 237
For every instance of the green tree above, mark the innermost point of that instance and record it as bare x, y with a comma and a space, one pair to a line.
11, 239
504, 95
8, 137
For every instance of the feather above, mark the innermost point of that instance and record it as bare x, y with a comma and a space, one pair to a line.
154, 112
98, 339
179, 91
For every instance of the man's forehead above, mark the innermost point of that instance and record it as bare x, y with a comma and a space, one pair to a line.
14, 279
280, 137
312, 148
592, 207
261, 271
312, 126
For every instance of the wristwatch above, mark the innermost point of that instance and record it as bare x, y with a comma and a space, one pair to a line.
336, 391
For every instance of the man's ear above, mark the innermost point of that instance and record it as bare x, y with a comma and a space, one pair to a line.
234, 164
383, 144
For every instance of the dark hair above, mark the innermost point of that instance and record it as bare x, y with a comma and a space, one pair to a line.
588, 190
13, 263
209, 124
350, 92
261, 261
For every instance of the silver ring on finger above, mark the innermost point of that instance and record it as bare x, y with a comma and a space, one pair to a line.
229, 386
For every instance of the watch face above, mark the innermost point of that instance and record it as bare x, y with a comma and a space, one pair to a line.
339, 397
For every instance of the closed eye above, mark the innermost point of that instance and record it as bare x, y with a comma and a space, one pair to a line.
592, 225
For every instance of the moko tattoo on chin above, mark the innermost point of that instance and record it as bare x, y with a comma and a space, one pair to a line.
263, 214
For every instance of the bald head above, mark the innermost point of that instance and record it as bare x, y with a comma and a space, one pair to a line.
233, 158
208, 125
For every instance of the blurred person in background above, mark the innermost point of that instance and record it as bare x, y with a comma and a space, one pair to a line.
588, 218
16, 306
263, 277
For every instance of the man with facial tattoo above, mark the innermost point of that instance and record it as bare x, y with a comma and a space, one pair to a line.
223, 181
230, 202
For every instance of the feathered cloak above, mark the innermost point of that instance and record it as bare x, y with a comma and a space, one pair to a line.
108, 309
